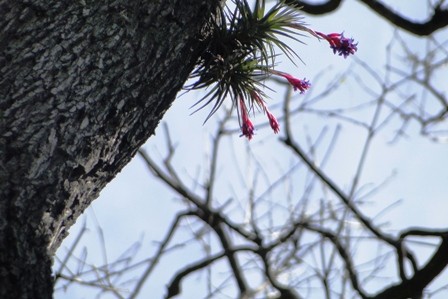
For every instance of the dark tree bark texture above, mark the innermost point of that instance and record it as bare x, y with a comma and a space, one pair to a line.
83, 84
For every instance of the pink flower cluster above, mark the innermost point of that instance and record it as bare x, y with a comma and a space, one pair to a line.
246, 125
340, 45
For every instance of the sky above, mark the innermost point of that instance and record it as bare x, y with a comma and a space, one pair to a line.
135, 207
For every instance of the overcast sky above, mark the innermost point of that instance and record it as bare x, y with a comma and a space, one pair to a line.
135, 207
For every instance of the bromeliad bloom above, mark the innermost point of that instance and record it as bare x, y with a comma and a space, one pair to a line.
298, 84
340, 44
256, 98
240, 54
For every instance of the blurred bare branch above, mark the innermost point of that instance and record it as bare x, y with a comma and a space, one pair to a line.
266, 228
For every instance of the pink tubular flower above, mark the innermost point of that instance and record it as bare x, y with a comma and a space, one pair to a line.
298, 84
340, 44
247, 127
272, 121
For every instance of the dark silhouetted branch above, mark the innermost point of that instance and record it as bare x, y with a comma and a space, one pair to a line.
438, 19
413, 288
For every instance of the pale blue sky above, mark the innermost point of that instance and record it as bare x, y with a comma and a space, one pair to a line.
134, 204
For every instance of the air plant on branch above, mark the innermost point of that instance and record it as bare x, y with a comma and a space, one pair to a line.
240, 55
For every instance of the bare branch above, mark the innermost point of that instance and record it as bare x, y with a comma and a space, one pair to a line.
413, 287
154, 261
174, 286
437, 20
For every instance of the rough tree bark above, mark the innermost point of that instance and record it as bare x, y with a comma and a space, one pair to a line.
83, 84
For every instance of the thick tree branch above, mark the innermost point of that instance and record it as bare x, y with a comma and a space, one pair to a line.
83, 85
316, 9
438, 19
413, 287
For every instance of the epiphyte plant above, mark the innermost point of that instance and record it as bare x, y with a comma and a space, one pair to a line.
240, 55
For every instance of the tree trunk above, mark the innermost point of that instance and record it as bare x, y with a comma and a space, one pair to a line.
83, 84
